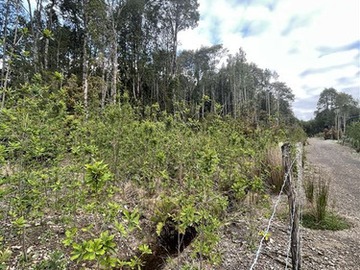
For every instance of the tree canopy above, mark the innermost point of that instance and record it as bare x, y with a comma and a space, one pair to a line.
101, 49
334, 109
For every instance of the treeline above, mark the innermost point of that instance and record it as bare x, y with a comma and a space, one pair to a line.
335, 110
99, 49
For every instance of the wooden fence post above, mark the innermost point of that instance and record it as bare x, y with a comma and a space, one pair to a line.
294, 205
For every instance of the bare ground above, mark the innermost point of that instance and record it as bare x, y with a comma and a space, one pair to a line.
319, 249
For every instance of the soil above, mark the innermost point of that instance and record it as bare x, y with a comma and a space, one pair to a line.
320, 249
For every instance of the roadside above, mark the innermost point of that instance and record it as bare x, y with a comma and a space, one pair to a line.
320, 249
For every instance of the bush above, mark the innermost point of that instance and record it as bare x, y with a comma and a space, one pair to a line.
353, 133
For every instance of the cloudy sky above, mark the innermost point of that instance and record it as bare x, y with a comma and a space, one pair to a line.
311, 44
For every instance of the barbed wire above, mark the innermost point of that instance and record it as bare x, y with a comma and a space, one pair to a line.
258, 252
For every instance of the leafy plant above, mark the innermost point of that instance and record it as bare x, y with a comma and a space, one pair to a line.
5, 254
97, 174
56, 261
99, 249
20, 224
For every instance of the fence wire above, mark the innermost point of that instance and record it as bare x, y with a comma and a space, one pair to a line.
258, 252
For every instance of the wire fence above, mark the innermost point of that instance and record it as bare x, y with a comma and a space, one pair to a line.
293, 189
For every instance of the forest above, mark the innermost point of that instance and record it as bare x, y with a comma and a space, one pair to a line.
120, 151
99, 50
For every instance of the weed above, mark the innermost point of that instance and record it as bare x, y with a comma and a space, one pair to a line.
331, 221
56, 261
309, 187
321, 200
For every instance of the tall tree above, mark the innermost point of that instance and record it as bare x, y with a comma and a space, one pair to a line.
327, 100
345, 103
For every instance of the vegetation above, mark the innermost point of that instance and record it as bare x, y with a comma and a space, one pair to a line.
331, 221
116, 181
318, 216
117, 150
99, 50
354, 135
335, 111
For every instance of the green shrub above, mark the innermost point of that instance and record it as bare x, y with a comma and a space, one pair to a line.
353, 133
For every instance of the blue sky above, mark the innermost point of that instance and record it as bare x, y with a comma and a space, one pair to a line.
312, 44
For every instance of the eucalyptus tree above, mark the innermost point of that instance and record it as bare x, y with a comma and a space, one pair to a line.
133, 46
345, 104
327, 100
11, 35
284, 97
239, 75
197, 71
172, 17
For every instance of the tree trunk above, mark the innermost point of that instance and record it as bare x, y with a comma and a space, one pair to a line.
46, 53
6, 67
114, 63
104, 87
203, 102
85, 62
4, 43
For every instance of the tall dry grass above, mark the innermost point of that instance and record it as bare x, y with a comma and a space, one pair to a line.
275, 171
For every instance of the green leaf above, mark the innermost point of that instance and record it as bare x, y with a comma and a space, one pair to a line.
74, 257
20, 222
159, 227
145, 249
120, 228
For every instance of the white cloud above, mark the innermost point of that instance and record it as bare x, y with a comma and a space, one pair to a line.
315, 24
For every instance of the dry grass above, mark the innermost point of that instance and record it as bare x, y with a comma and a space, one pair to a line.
273, 162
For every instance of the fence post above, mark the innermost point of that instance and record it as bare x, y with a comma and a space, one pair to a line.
294, 205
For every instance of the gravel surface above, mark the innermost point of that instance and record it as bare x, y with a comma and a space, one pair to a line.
319, 249
342, 165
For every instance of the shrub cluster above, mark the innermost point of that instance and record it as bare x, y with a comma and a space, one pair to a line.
116, 179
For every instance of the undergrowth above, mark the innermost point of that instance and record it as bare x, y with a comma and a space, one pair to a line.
120, 180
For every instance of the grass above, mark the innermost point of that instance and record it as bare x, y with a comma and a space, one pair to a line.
331, 222
318, 217
309, 188
273, 159
321, 198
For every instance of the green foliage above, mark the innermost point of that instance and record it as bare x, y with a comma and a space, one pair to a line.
5, 255
353, 133
318, 216
321, 198
99, 249
309, 187
56, 261
141, 171
97, 174
330, 221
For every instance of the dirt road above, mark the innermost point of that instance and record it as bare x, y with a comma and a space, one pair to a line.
335, 250
342, 165
320, 250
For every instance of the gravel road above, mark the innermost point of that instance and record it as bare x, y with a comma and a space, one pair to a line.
342, 165
335, 250
320, 250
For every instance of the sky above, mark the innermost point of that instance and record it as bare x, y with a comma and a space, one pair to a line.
311, 44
